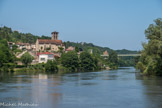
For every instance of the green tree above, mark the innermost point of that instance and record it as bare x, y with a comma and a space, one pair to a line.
14, 47
70, 60
6, 55
77, 49
5, 33
61, 49
113, 60
151, 57
88, 62
26, 59
51, 66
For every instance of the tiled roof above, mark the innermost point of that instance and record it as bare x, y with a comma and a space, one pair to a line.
46, 53
47, 41
105, 53
22, 44
56, 55
70, 48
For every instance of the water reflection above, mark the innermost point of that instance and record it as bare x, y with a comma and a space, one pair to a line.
152, 91
45, 91
123, 88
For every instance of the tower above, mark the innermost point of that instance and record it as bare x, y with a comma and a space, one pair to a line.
54, 35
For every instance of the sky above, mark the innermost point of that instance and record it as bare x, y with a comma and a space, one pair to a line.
117, 24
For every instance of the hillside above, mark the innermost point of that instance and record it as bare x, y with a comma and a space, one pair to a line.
97, 49
86, 46
15, 36
125, 51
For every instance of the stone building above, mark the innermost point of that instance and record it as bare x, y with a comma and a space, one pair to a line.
22, 46
10, 44
52, 44
70, 48
105, 53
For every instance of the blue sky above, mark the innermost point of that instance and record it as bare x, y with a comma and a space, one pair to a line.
118, 24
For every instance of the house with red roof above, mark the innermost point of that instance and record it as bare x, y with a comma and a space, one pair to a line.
45, 56
105, 53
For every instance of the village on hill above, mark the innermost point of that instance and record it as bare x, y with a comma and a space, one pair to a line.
46, 49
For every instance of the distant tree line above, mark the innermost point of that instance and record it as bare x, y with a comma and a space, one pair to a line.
97, 49
15, 36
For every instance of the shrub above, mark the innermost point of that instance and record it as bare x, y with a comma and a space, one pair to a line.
51, 66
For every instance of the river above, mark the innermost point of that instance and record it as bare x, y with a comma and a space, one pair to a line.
122, 88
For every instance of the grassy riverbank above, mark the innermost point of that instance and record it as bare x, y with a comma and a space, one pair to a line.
61, 70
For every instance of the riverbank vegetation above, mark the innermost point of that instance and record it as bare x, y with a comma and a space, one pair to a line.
150, 62
113, 60
26, 59
71, 61
7, 59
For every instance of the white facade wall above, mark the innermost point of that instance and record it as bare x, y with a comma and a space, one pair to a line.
43, 58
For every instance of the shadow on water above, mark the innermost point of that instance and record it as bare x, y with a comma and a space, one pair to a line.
152, 90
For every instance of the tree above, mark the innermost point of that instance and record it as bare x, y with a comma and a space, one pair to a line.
6, 55
70, 60
88, 62
26, 59
51, 66
61, 49
113, 60
14, 47
150, 62
76, 49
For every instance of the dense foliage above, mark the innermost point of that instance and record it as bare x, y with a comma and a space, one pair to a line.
88, 62
5, 53
96, 49
70, 60
6, 57
84, 62
113, 60
51, 66
86, 46
15, 36
151, 59
127, 61
26, 59
125, 51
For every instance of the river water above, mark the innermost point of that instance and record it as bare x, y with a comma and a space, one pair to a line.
122, 88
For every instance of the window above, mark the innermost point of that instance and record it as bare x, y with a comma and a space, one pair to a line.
42, 59
50, 56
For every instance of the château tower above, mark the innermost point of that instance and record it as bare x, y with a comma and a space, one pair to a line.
54, 35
